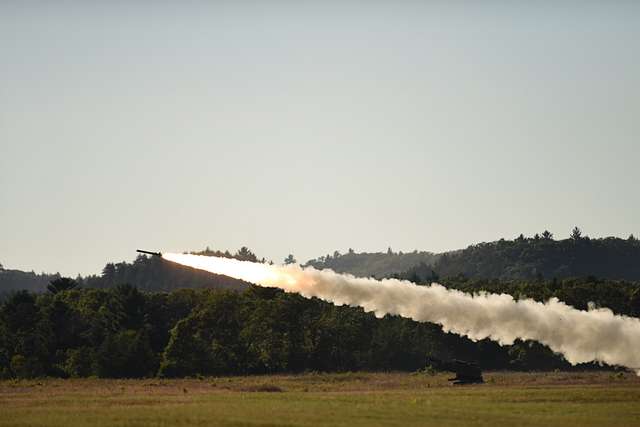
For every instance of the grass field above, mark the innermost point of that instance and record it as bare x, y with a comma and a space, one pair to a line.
351, 399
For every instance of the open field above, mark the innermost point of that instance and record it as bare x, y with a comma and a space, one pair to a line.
351, 399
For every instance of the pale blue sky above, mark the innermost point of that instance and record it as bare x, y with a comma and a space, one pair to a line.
306, 127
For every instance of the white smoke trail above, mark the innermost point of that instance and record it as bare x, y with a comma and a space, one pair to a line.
581, 336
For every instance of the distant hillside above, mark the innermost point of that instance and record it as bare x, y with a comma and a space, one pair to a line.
145, 273
154, 274
523, 258
539, 257
13, 280
376, 264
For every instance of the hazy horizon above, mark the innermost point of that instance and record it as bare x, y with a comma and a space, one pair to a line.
306, 128
300, 261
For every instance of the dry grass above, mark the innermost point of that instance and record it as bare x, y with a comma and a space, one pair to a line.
354, 399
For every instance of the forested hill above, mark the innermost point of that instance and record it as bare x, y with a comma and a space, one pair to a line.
11, 280
524, 258
145, 273
543, 257
534, 257
153, 274
376, 264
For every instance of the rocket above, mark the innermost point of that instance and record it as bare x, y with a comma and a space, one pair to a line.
149, 252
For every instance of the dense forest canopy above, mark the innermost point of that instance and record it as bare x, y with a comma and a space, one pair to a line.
124, 332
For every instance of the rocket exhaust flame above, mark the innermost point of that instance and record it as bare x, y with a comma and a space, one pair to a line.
580, 336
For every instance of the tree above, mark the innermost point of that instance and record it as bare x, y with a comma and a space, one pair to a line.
576, 234
187, 353
634, 303
127, 307
207, 341
290, 259
244, 254
109, 273
125, 354
23, 344
546, 235
61, 284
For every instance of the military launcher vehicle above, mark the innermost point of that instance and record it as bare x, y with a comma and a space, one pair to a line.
466, 372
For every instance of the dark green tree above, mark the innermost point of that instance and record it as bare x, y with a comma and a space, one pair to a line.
576, 234
62, 284
207, 341
244, 254
125, 354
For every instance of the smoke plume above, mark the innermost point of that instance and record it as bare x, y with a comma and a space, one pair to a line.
580, 336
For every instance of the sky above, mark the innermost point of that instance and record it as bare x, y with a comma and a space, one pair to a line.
308, 127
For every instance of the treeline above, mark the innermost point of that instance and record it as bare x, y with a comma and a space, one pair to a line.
153, 274
524, 258
535, 257
125, 332
373, 264
542, 257
13, 280
145, 273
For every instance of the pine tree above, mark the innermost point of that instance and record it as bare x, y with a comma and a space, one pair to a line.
576, 234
